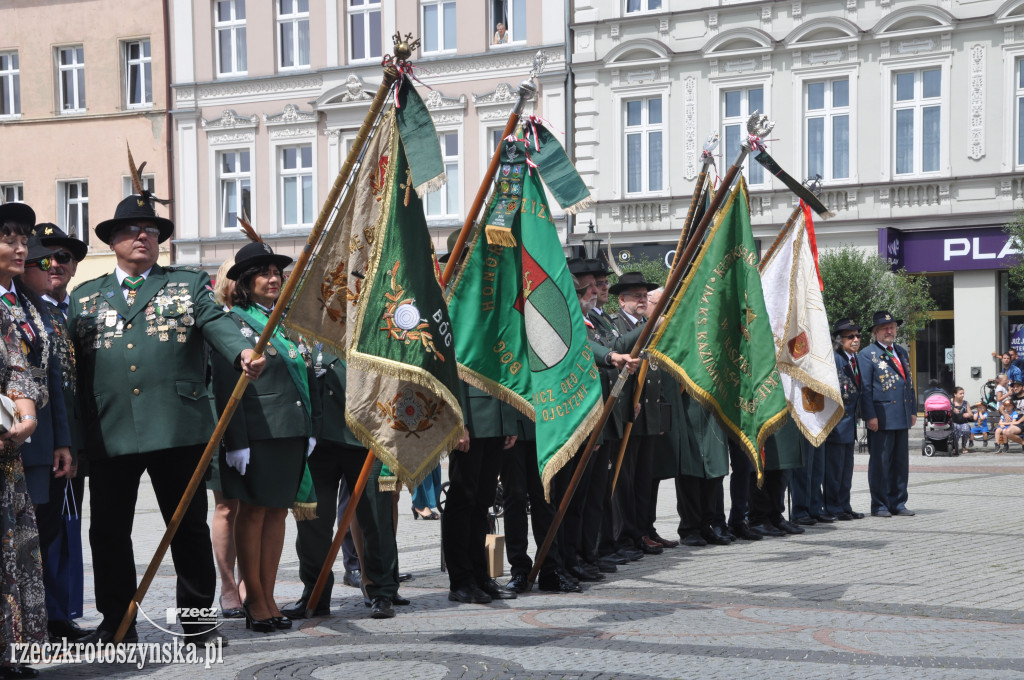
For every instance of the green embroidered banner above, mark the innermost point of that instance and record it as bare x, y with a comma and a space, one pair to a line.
520, 334
716, 338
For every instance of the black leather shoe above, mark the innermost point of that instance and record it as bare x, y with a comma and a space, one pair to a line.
856, 515
400, 601
844, 517
709, 535
470, 594
904, 512
825, 519
806, 521
586, 572
606, 566
68, 629
768, 530
665, 542
103, 636
519, 583
616, 558
564, 573
382, 608
745, 532
632, 555
297, 610
353, 579
694, 540
651, 548
497, 592
402, 577
881, 512
281, 622
788, 527
723, 531
556, 583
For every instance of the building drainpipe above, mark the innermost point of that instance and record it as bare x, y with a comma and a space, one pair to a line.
570, 106
169, 127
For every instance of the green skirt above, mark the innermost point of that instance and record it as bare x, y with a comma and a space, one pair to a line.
273, 475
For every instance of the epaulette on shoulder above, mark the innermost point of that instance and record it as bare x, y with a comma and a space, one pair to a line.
612, 316
185, 268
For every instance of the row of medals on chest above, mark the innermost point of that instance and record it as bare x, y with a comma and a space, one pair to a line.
293, 352
173, 307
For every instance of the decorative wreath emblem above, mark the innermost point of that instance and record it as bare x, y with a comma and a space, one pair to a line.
332, 290
411, 412
402, 319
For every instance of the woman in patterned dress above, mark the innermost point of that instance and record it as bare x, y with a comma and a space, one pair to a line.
22, 599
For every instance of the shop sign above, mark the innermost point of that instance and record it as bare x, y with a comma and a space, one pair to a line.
947, 249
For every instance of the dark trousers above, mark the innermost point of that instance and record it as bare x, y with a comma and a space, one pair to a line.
838, 477
696, 500
520, 480
598, 496
49, 518
348, 547
806, 482
888, 468
330, 465
739, 484
114, 490
630, 503
572, 523
768, 503
473, 480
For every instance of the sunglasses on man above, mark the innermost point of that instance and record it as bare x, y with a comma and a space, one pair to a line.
851, 336
46, 263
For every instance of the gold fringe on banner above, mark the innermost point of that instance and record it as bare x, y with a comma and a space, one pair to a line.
581, 205
499, 236
431, 185
304, 511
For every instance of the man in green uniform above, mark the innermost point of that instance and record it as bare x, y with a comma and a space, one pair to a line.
139, 337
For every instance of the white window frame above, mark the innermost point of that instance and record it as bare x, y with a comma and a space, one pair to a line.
888, 70
1012, 54
645, 7
78, 205
719, 86
10, 84
442, 7
76, 71
235, 28
298, 172
219, 209
144, 64
645, 128
128, 189
754, 172
456, 183
802, 77
512, 27
366, 8
12, 192
1017, 120
297, 22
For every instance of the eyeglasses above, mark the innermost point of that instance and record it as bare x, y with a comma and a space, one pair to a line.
602, 284
43, 263
134, 230
61, 257
851, 336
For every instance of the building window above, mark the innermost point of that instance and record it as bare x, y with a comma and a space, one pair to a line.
293, 33
511, 14
445, 201
633, 6
229, 27
1020, 111
917, 111
235, 177
148, 183
73, 197
10, 84
13, 192
364, 29
438, 26
737, 105
827, 128
644, 157
71, 68
138, 73
296, 172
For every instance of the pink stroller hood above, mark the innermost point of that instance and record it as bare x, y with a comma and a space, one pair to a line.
937, 402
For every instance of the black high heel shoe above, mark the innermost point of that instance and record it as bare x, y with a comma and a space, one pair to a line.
229, 613
281, 622
257, 625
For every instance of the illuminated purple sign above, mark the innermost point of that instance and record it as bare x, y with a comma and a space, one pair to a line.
947, 249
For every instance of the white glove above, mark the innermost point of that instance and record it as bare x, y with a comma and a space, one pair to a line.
238, 459
312, 445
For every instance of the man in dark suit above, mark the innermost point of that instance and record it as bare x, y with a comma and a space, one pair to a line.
889, 407
842, 439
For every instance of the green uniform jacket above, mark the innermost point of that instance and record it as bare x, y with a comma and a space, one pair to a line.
487, 416
704, 445
603, 336
331, 382
145, 389
272, 406
649, 421
783, 450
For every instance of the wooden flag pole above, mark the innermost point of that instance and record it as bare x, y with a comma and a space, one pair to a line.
391, 75
758, 127
526, 90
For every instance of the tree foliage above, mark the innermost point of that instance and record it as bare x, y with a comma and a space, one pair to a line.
859, 283
1016, 231
653, 271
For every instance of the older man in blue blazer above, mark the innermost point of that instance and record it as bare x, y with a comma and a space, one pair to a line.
889, 408
841, 441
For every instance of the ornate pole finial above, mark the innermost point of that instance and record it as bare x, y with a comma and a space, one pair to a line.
404, 46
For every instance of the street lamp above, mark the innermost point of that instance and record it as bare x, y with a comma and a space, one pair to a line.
591, 243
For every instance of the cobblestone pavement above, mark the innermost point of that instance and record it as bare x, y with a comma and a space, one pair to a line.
938, 595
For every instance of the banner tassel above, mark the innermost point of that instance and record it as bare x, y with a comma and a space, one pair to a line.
499, 236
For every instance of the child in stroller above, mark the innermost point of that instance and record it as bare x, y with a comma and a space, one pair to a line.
939, 434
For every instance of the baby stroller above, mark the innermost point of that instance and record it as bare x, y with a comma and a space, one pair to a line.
938, 426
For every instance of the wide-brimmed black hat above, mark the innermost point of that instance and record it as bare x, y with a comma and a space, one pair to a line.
53, 236
883, 317
598, 267
452, 238
632, 280
36, 250
844, 325
253, 255
579, 267
18, 212
133, 210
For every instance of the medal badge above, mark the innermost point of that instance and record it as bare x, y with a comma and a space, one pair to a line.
271, 350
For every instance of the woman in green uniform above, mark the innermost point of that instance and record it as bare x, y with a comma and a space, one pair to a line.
269, 436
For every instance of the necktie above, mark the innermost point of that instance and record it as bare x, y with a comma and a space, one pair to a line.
896, 361
63, 307
853, 367
132, 285
11, 299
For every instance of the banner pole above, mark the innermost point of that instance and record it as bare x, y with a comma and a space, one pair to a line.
391, 75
